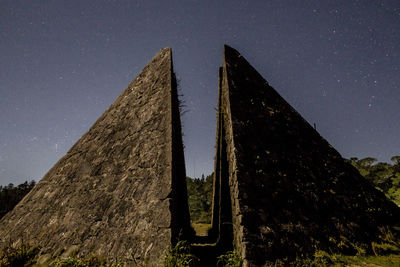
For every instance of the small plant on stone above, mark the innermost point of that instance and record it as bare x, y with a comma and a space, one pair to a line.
230, 259
67, 262
180, 256
22, 255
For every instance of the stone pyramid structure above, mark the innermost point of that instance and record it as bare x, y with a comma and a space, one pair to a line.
280, 189
120, 191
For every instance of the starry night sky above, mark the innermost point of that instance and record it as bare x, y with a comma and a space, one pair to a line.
62, 63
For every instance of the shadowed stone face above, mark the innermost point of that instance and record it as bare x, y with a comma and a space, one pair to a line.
291, 192
117, 192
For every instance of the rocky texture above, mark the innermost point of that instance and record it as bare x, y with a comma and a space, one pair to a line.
280, 190
290, 191
120, 191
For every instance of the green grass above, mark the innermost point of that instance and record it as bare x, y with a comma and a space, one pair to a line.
230, 259
180, 256
387, 260
385, 252
322, 258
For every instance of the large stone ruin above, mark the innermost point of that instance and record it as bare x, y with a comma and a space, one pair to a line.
280, 190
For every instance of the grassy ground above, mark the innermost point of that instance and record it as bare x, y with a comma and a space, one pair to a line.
388, 260
390, 257
384, 251
391, 260
201, 228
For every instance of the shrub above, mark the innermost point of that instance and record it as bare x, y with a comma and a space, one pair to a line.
230, 259
23, 255
180, 256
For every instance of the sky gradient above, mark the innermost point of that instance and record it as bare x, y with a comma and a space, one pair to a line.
62, 63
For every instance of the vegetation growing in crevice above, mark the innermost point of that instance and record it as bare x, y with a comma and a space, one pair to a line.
230, 259
180, 256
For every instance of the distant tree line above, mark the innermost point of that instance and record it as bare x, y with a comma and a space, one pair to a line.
385, 176
11, 195
200, 198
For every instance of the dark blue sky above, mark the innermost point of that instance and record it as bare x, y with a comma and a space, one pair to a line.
62, 63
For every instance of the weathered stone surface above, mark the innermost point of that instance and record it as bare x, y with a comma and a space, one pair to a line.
120, 191
290, 191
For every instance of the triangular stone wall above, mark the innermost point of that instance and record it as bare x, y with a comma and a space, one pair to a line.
120, 191
290, 192
280, 189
